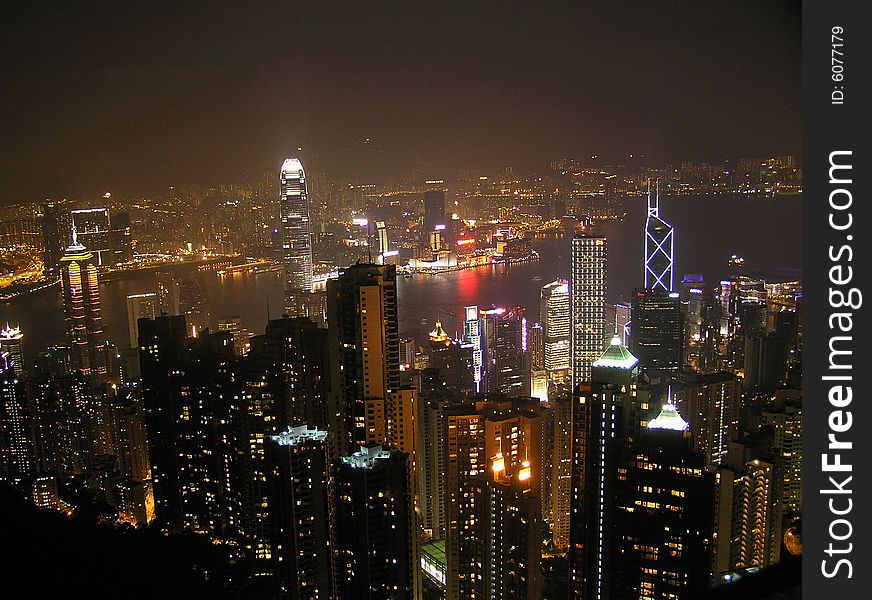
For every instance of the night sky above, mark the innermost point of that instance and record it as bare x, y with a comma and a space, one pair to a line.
132, 97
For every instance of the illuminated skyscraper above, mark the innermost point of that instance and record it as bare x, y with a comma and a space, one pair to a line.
11, 342
659, 246
497, 427
367, 404
16, 446
81, 297
295, 234
556, 322
588, 292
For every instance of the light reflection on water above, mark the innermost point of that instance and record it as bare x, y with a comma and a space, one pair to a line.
765, 231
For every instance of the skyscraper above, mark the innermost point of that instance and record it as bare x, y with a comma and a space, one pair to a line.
16, 443
509, 531
512, 430
299, 510
376, 535
295, 234
663, 523
365, 363
554, 310
656, 331
179, 377
605, 419
434, 207
588, 290
659, 246
81, 297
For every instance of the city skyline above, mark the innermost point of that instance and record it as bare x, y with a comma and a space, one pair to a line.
459, 302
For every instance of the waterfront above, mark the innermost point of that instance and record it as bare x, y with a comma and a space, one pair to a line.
765, 231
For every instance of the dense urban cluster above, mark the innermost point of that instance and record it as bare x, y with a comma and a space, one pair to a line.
574, 449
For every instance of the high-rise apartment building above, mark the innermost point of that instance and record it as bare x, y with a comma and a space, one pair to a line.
299, 477
363, 338
588, 295
376, 549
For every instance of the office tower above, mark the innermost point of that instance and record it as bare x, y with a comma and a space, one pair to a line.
376, 549
295, 235
473, 433
81, 298
509, 531
472, 337
11, 342
140, 306
749, 509
56, 228
299, 510
434, 207
607, 416
233, 325
179, 380
588, 290
121, 239
365, 364
712, 404
561, 465
656, 337
662, 530
556, 322
297, 349
765, 361
16, 443
94, 232
659, 246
